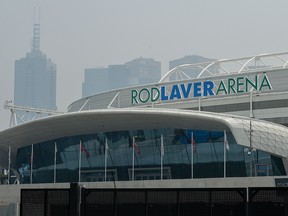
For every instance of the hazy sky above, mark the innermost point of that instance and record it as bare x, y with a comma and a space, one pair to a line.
93, 33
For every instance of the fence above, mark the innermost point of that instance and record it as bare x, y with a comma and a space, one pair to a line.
78, 201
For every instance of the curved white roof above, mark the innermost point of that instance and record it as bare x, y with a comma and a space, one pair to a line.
228, 66
265, 136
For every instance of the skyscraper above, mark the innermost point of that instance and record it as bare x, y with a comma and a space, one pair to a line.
139, 71
118, 76
95, 81
144, 71
191, 59
35, 78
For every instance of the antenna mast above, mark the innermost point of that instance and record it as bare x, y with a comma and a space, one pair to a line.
36, 32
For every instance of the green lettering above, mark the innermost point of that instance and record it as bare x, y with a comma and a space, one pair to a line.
155, 96
239, 84
221, 88
141, 95
265, 82
134, 94
231, 83
253, 84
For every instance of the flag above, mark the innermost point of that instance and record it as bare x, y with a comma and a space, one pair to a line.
32, 155
226, 141
193, 143
137, 148
83, 149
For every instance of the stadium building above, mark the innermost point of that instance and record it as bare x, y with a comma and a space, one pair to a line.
226, 127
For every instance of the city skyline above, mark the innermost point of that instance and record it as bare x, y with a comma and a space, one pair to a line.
79, 35
138, 71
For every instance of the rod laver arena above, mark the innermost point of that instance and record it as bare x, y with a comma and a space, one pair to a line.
167, 130
217, 124
206, 88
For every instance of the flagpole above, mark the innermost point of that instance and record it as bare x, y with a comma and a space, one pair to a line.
55, 161
133, 157
162, 153
224, 144
9, 164
31, 162
192, 156
79, 175
106, 152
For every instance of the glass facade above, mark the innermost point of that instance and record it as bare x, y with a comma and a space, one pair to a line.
143, 155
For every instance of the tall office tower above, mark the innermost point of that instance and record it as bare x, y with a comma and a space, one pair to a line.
191, 59
118, 76
35, 78
95, 81
136, 72
144, 71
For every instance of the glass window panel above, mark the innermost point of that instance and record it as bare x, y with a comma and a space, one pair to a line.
207, 158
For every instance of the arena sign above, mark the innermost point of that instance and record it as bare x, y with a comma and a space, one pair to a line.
201, 89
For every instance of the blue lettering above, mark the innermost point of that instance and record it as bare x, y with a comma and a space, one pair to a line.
175, 93
197, 89
163, 93
208, 88
186, 91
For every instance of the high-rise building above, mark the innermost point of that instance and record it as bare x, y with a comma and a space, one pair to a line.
35, 78
144, 71
191, 59
118, 76
95, 81
136, 72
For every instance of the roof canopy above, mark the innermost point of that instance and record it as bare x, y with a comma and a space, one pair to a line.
262, 135
228, 66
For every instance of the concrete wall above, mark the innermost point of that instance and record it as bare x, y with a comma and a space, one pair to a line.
11, 209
